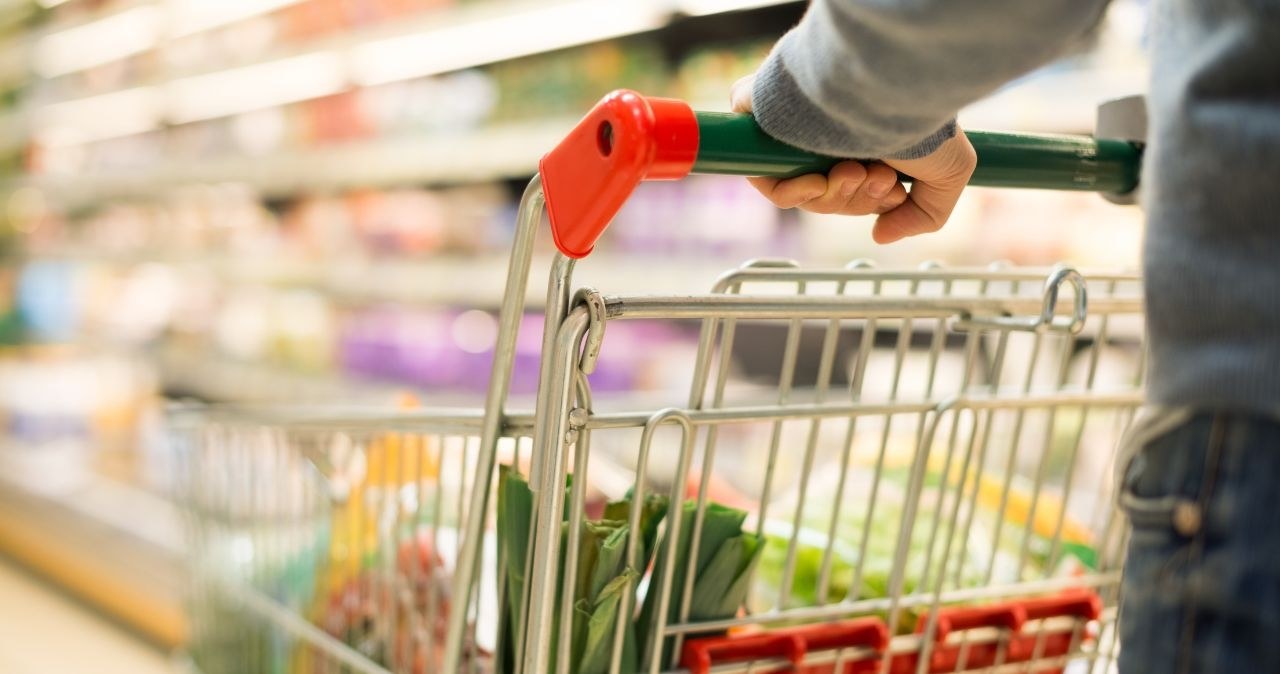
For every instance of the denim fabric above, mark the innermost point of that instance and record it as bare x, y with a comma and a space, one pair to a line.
1201, 588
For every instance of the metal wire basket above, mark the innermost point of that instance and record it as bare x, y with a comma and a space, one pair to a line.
894, 471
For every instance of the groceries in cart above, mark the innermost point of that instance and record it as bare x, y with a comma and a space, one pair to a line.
998, 547
739, 574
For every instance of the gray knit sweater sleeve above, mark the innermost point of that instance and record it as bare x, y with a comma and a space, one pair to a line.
885, 78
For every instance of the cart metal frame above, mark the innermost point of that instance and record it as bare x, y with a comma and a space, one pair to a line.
986, 308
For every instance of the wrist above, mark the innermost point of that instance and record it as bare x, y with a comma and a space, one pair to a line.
929, 144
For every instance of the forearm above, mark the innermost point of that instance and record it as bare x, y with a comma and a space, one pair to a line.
884, 78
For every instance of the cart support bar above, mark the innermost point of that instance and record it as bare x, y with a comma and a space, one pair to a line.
628, 138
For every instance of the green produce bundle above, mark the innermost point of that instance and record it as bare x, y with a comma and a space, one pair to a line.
602, 582
725, 559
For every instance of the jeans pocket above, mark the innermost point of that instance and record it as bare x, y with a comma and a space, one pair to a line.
1173, 514
1160, 488
1148, 511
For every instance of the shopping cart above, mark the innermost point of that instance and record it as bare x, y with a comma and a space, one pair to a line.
892, 471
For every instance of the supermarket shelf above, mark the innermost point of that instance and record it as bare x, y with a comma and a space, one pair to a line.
217, 379
177, 19
13, 132
439, 42
471, 281
86, 15
460, 37
1055, 100
506, 151
14, 58
12, 11
36, 637
415, 48
479, 281
112, 545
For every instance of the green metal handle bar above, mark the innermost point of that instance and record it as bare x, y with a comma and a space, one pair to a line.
734, 144
628, 138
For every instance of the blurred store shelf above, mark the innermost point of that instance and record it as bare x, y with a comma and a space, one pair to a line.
1057, 100
14, 59
111, 544
437, 42
506, 151
1060, 98
13, 130
473, 281
189, 372
13, 11
37, 635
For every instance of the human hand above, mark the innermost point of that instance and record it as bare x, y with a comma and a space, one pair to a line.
855, 188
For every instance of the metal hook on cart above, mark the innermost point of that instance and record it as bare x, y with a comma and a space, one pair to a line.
596, 309
1047, 319
1079, 312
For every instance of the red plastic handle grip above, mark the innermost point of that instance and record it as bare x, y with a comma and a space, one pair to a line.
860, 633
626, 138
1079, 603
946, 657
700, 654
791, 644
1009, 616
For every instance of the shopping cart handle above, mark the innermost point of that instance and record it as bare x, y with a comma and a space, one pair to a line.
628, 138
734, 144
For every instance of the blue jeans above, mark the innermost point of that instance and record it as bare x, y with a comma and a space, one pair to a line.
1201, 588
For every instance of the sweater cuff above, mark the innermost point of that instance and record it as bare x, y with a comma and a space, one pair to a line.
930, 143
785, 112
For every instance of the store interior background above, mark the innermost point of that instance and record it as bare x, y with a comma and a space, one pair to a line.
311, 202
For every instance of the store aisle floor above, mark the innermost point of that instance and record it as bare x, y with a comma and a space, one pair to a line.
43, 631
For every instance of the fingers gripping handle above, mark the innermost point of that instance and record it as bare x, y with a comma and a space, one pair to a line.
628, 138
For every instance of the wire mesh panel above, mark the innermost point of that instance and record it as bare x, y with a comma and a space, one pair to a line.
867, 471
914, 476
329, 545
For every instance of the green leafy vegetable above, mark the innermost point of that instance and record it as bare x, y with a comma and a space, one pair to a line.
968, 560
594, 623
725, 558
602, 581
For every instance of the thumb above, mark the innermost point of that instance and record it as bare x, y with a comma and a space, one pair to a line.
939, 180
926, 210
